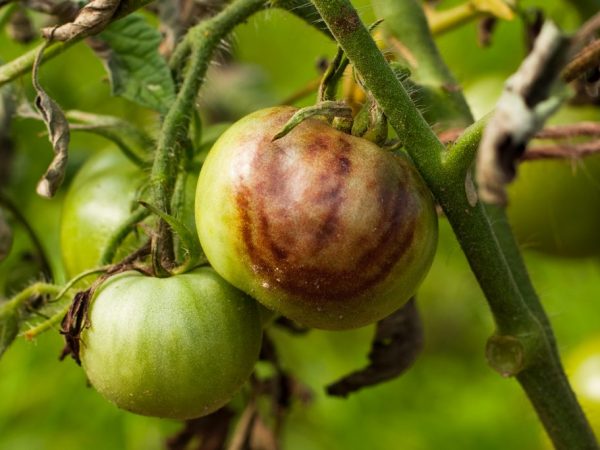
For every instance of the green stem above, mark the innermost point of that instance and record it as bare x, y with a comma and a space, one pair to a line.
483, 233
461, 154
33, 290
451, 18
406, 24
202, 41
37, 244
120, 234
23, 64
47, 324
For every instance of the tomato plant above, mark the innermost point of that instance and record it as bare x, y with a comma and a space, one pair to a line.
332, 225
323, 227
177, 347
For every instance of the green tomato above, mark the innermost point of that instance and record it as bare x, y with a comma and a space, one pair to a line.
320, 226
177, 347
99, 200
554, 205
583, 370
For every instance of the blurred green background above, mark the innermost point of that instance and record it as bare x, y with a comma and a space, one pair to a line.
449, 400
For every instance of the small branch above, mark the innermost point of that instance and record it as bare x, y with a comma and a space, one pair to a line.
573, 152
37, 244
586, 59
201, 40
568, 131
34, 290
588, 30
119, 235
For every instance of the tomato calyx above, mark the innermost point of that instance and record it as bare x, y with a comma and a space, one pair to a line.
76, 318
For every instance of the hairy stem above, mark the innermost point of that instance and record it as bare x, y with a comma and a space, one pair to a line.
483, 233
409, 35
33, 290
120, 234
202, 41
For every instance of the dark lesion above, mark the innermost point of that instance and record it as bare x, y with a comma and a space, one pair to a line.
297, 265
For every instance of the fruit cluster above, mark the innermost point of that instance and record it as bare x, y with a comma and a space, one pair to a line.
325, 228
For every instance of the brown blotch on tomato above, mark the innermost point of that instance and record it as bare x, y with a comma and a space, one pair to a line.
323, 227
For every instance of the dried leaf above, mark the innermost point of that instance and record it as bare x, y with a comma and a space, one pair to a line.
74, 322
397, 343
58, 133
523, 108
91, 19
210, 430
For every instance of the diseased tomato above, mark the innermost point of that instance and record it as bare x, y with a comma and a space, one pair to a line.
323, 227
177, 347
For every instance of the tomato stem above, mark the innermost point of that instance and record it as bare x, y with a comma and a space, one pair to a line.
482, 230
201, 41
120, 234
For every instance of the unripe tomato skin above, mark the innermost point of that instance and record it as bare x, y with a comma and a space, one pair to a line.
320, 226
100, 199
97, 202
177, 347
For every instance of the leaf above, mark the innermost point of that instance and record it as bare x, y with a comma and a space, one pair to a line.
91, 19
137, 72
58, 133
397, 343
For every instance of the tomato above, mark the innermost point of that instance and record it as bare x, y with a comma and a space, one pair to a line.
320, 226
583, 369
554, 205
177, 347
99, 200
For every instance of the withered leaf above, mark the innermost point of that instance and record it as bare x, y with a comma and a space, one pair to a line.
91, 19
58, 134
397, 343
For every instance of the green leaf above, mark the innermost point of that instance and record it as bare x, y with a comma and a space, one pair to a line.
137, 72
